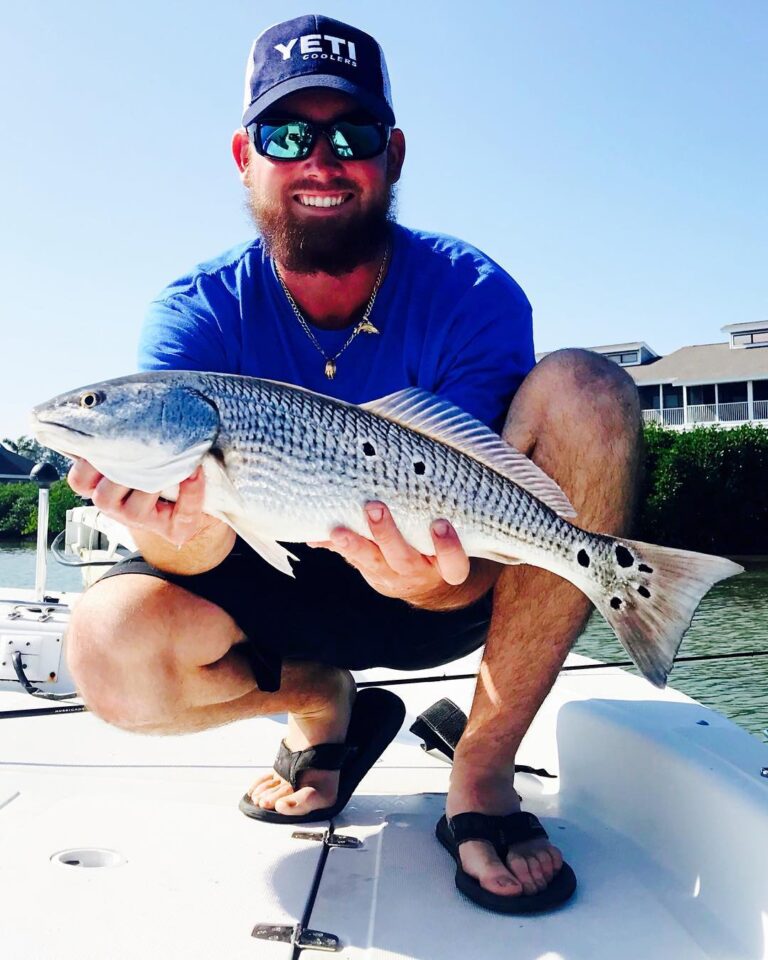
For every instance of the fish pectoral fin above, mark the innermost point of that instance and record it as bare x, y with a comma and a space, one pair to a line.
271, 551
439, 419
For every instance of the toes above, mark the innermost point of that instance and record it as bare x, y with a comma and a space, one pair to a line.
479, 860
268, 798
523, 871
498, 880
265, 781
300, 802
534, 867
262, 786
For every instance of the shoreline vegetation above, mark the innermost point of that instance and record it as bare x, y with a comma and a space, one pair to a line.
704, 489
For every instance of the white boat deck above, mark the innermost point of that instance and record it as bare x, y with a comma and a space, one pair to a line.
659, 805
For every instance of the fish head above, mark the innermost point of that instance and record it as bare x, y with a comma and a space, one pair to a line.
147, 431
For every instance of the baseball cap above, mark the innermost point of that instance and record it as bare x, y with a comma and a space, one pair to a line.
316, 51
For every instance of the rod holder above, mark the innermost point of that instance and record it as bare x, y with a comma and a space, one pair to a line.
43, 474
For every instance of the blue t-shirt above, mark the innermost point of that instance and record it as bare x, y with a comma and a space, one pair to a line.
450, 319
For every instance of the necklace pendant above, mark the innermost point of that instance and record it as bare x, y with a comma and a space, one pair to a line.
365, 326
330, 369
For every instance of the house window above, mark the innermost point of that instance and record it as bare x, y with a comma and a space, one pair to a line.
760, 389
673, 396
755, 338
623, 358
649, 397
700, 394
732, 392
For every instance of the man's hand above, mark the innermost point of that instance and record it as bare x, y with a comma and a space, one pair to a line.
393, 568
175, 522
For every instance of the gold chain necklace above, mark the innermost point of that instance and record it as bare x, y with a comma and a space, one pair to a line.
364, 326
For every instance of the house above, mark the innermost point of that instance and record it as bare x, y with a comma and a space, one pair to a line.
711, 383
13, 467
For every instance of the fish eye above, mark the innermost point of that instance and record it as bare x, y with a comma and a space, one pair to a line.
90, 399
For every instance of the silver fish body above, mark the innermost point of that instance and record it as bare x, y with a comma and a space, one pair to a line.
285, 464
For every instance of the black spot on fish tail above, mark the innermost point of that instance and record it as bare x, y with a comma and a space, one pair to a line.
624, 557
615, 602
644, 592
644, 568
419, 466
583, 557
368, 449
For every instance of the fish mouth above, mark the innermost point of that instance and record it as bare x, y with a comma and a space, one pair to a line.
62, 426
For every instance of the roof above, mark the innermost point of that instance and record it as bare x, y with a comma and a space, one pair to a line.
745, 327
14, 466
705, 363
623, 347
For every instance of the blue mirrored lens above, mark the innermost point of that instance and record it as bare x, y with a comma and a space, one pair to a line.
357, 141
285, 141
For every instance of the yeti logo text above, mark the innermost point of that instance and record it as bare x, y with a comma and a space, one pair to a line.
311, 47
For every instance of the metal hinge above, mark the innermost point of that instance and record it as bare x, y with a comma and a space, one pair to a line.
328, 838
297, 936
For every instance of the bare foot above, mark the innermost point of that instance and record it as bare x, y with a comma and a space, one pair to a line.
529, 866
327, 723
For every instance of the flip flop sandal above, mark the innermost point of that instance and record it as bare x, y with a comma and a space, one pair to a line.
502, 832
377, 715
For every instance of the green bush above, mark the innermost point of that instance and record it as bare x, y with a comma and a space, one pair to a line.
18, 508
705, 489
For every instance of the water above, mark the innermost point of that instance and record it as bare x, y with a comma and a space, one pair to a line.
17, 568
733, 617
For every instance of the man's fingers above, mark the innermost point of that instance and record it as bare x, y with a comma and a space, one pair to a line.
399, 554
83, 477
187, 514
357, 550
139, 508
452, 561
108, 496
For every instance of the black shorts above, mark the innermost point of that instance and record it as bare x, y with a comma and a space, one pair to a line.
327, 614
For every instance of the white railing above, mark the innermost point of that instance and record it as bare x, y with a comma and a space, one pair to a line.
702, 413
669, 417
707, 413
733, 411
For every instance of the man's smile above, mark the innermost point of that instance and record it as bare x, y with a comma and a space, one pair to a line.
323, 200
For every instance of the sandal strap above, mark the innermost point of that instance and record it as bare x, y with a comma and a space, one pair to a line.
499, 831
517, 827
324, 756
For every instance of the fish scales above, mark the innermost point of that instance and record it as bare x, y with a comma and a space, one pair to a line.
303, 439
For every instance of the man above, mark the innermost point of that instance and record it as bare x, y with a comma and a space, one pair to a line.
336, 297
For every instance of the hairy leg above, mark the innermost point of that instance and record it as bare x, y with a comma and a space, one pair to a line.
152, 658
577, 416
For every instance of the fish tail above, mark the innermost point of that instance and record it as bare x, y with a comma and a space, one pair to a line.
652, 598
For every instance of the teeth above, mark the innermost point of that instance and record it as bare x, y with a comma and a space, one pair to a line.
321, 201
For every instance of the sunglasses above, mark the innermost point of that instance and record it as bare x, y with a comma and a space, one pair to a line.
281, 139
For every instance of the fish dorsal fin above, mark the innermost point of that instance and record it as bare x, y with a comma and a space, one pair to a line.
443, 421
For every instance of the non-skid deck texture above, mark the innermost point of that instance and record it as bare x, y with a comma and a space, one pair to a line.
197, 876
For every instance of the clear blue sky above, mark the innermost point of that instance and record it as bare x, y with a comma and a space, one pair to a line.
612, 155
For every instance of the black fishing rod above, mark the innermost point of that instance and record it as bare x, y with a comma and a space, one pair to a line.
82, 708
573, 667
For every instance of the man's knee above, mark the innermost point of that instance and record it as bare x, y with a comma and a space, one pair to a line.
121, 652
588, 376
574, 395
